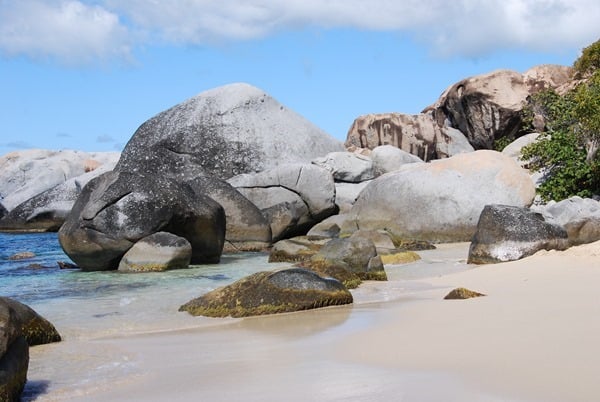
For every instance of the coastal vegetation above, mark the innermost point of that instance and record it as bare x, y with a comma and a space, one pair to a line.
567, 151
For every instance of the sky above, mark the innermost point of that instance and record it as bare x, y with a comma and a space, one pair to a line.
85, 74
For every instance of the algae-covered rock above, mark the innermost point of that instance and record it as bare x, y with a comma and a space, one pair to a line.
403, 257
461, 294
160, 251
36, 329
14, 355
356, 253
296, 249
263, 293
336, 270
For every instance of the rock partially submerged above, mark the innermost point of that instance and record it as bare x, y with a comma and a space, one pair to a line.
117, 209
508, 233
160, 251
270, 293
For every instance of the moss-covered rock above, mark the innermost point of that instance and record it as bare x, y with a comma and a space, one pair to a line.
461, 294
296, 249
336, 270
357, 254
14, 355
403, 257
262, 293
36, 329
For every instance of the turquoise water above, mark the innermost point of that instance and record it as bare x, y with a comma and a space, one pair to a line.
94, 304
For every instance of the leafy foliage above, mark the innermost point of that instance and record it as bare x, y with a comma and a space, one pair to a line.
567, 152
588, 62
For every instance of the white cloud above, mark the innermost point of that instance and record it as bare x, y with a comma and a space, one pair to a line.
75, 30
69, 31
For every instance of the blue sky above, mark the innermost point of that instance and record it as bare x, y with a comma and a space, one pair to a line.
85, 74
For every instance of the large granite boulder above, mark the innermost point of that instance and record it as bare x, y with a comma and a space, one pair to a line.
488, 107
579, 216
507, 233
262, 293
36, 329
293, 197
247, 229
226, 131
420, 135
14, 355
440, 201
346, 194
158, 252
296, 249
356, 253
347, 167
48, 210
387, 158
26, 173
117, 209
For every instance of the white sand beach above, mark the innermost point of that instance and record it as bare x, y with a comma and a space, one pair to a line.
534, 337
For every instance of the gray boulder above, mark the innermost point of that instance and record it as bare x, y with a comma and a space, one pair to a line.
262, 293
48, 210
440, 201
329, 228
346, 194
27, 173
117, 209
14, 355
387, 158
247, 229
224, 132
296, 249
421, 135
507, 233
579, 216
293, 197
347, 167
35, 328
160, 251
356, 253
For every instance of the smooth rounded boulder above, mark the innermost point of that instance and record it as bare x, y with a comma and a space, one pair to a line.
288, 290
508, 233
117, 209
27, 173
226, 131
440, 201
14, 355
160, 251
293, 197
36, 329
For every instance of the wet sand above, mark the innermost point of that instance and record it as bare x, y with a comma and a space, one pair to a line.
534, 337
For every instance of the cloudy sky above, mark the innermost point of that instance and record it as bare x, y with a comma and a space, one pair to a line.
84, 74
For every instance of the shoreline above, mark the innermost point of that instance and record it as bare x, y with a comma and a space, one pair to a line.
532, 338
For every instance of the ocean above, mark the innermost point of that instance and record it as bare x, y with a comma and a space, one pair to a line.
94, 304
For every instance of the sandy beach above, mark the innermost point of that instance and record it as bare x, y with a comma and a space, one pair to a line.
534, 337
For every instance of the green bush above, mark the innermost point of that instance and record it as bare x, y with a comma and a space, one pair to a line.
567, 152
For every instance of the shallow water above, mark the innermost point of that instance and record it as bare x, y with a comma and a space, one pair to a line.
95, 304
92, 309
